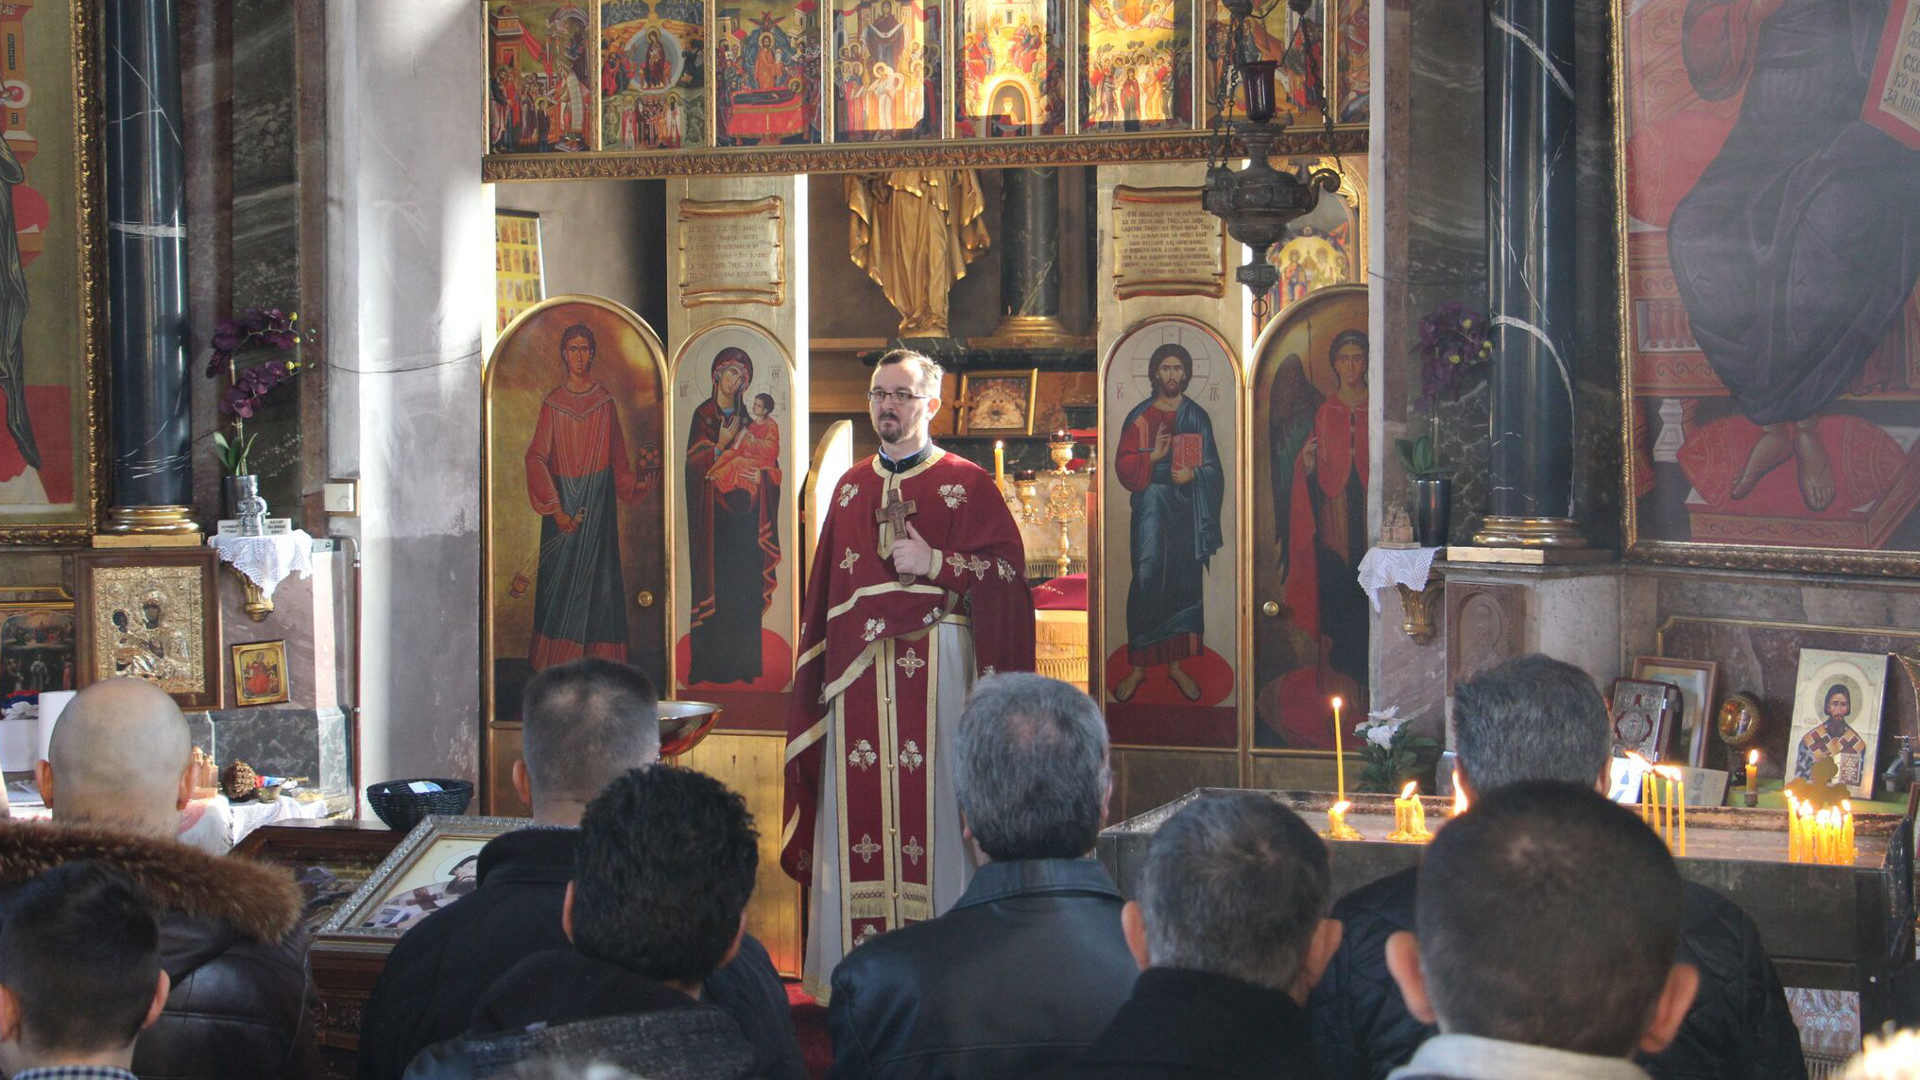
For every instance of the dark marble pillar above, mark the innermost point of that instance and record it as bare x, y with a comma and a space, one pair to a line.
1029, 258
1531, 199
146, 272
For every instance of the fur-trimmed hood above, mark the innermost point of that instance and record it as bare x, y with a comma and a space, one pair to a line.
260, 901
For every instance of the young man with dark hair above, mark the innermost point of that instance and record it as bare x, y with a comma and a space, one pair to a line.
1231, 932
80, 976
1544, 939
583, 724
1030, 964
666, 862
1529, 719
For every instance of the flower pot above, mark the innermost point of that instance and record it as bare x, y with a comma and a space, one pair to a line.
244, 504
1432, 509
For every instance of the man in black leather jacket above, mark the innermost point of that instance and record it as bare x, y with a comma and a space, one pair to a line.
119, 773
1535, 718
1031, 963
582, 725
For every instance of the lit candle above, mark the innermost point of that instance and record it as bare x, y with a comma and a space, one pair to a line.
1675, 828
1753, 776
1646, 786
1806, 832
1823, 843
1846, 832
1793, 828
1409, 817
1459, 794
1000, 461
1339, 755
1337, 827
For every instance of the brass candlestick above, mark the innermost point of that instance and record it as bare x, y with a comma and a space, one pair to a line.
1064, 505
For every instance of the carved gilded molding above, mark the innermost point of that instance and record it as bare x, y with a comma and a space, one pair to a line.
860, 157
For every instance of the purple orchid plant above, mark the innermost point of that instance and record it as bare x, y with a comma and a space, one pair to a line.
248, 386
1454, 351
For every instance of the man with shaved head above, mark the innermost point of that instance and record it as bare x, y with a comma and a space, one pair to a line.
117, 774
582, 725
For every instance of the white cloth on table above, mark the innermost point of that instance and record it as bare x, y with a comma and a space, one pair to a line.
1382, 567
267, 560
214, 825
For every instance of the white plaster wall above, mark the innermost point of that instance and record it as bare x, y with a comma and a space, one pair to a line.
409, 291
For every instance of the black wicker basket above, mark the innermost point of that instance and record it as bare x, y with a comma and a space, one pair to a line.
401, 807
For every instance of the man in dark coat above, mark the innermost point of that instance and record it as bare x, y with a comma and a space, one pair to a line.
1031, 963
1231, 932
1534, 718
581, 724
119, 771
665, 864
1546, 928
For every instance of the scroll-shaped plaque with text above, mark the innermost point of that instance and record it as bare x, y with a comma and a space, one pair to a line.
733, 251
1165, 244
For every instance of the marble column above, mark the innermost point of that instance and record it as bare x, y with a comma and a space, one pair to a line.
1029, 258
1531, 198
146, 272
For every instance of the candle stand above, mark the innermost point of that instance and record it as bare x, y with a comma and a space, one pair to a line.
1830, 927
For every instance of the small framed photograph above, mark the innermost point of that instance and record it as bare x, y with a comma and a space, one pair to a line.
1836, 720
997, 402
1643, 715
36, 649
435, 865
260, 673
1695, 681
152, 615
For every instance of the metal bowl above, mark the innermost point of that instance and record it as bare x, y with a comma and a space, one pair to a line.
683, 724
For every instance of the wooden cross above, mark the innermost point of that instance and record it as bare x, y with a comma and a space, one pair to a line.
892, 520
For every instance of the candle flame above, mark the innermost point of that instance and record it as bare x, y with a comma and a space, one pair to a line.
1337, 703
1342, 806
1753, 758
1805, 809
1638, 760
1459, 794
1669, 771
1408, 791
1846, 806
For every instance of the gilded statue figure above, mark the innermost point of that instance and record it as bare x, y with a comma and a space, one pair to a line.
914, 231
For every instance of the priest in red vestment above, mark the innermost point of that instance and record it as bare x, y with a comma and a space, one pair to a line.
918, 585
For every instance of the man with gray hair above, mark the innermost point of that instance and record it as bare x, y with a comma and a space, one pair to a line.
1535, 718
1231, 931
582, 725
1031, 962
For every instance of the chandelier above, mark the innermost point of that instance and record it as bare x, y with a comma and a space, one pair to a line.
1259, 201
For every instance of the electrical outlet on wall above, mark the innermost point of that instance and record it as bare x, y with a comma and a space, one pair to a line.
341, 497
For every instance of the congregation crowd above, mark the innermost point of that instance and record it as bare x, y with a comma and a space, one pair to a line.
1546, 932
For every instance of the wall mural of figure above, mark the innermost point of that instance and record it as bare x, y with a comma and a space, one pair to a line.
1012, 68
541, 98
574, 514
1310, 401
1170, 580
577, 467
733, 513
736, 521
653, 74
1772, 234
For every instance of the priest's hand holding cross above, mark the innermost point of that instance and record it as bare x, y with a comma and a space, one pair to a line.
912, 555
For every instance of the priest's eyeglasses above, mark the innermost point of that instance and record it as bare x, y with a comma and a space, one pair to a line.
898, 397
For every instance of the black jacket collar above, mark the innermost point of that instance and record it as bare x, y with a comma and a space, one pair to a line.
1024, 877
561, 986
907, 462
1208, 1025
539, 853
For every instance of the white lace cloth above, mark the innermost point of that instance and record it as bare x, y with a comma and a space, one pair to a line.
1395, 566
267, 560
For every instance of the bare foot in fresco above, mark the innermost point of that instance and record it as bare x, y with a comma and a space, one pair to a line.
1129, 684
1816, 471
1774, 449
1184, 681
